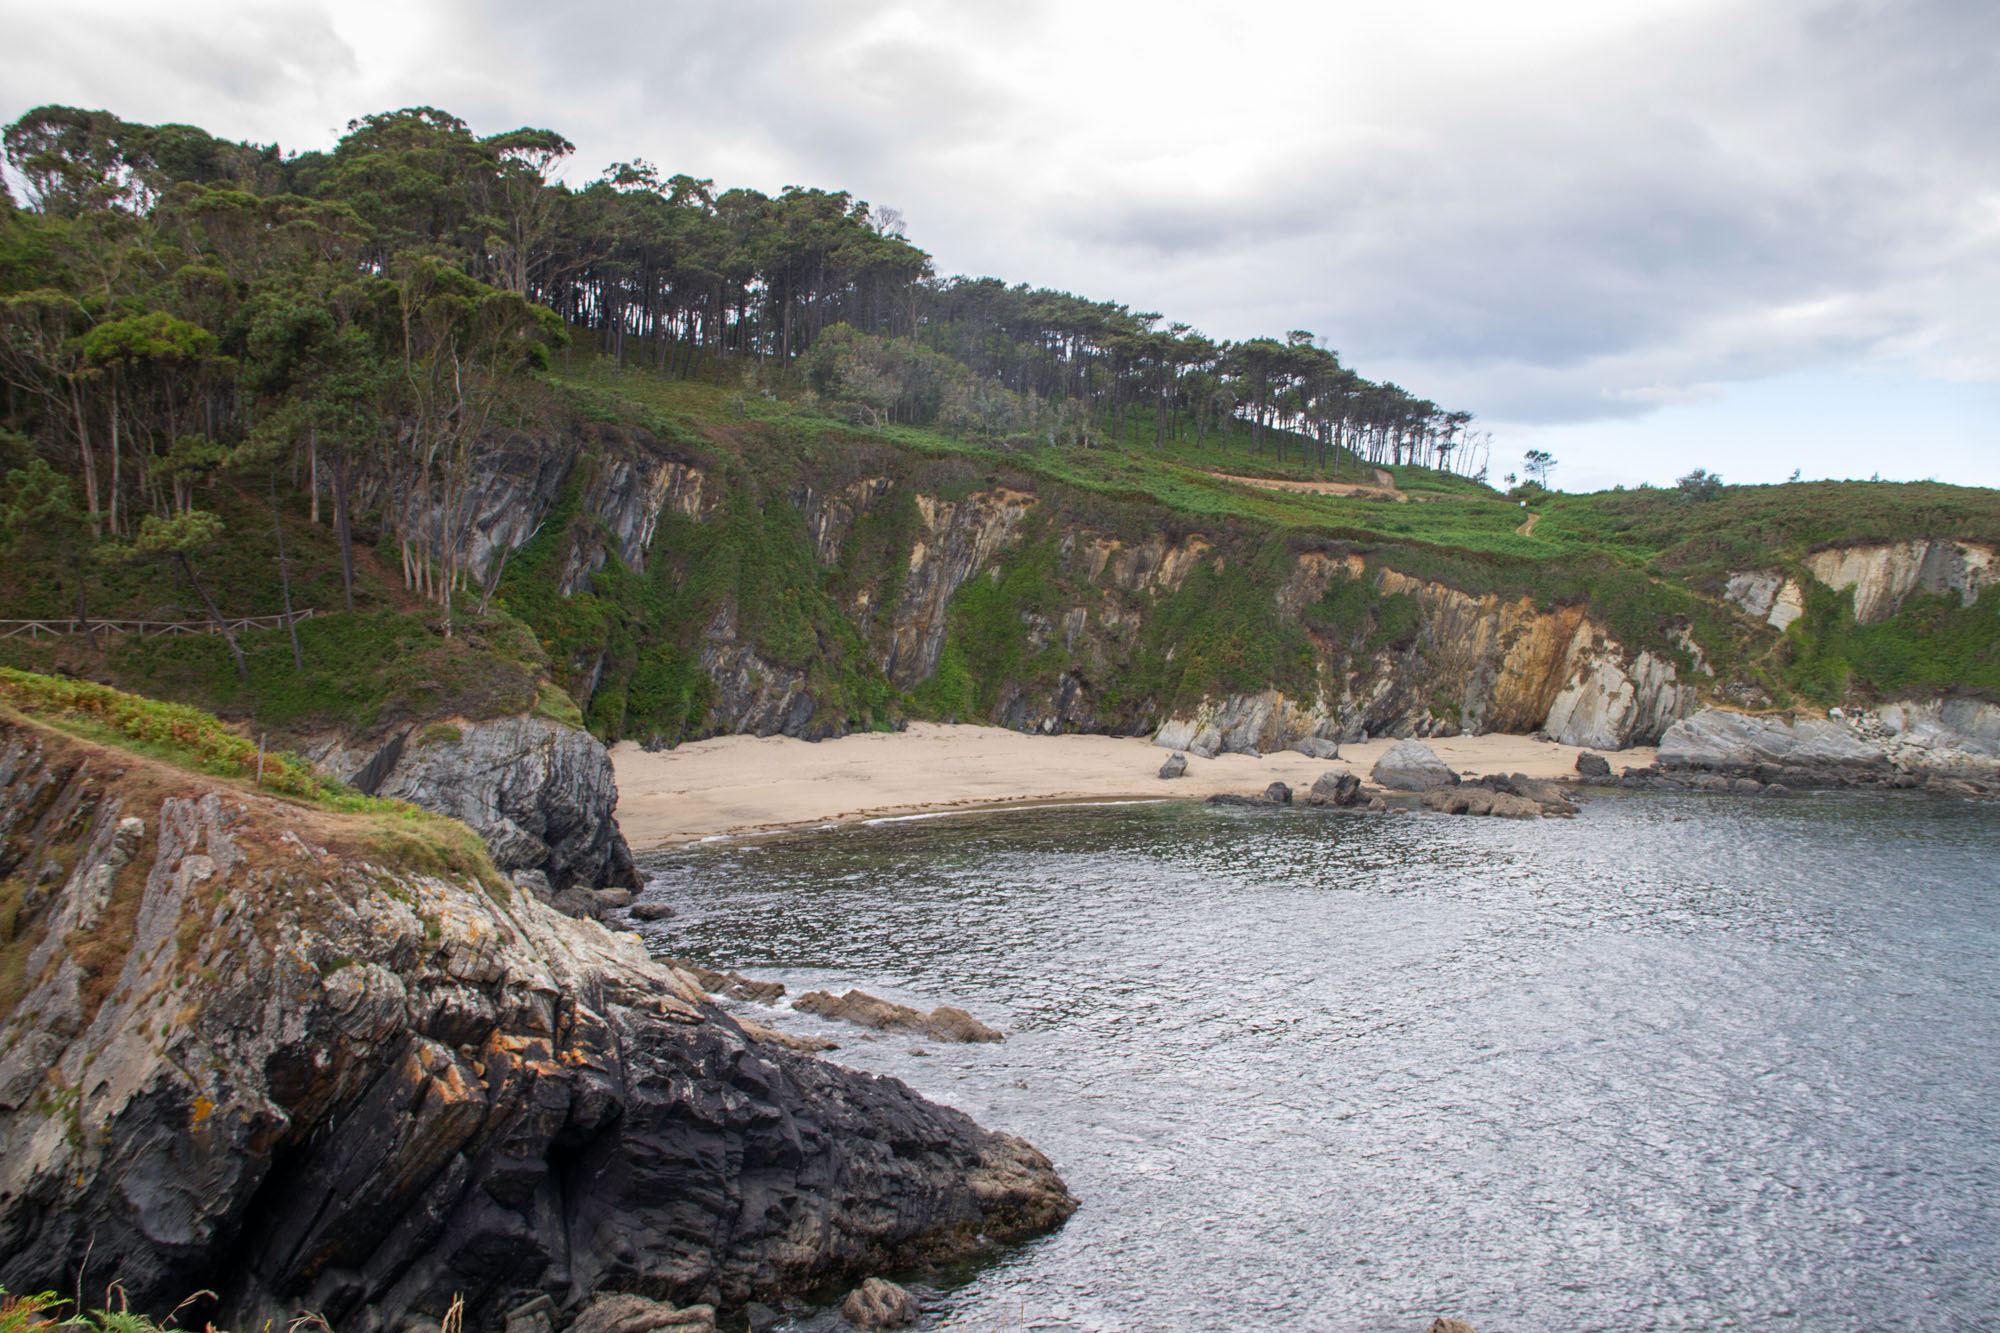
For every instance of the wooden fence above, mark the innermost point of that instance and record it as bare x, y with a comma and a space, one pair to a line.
36, 629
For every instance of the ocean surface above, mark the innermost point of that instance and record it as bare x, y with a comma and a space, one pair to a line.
1682, 1062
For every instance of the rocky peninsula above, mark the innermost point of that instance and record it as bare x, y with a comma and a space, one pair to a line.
309, 1060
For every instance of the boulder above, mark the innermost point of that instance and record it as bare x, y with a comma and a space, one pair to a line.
1317, 747
1278, 794
1481, 801
611, 899
1442, 1325
539, 793
534, 882
1593, 765
625, 1313
578, 903
1412, 766
944, 1022
877, 1303
1335, 789
733, 984
1175, 767
652, 912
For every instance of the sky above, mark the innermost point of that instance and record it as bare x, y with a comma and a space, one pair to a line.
1752, 236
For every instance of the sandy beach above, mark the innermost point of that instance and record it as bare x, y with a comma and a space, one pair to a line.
746, 784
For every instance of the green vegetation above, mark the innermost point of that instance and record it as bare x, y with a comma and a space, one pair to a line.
243, 383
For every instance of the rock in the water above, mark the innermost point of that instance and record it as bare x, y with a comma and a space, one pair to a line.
791, 1041
878, 1303
733, 984
1412, 766
1317, 747
652, 912
1278, 794
1481, 801
1175, 767
311, 1076
613, 898
626, 1313
944, 1022
1593, 765
1449, 1326
1336, 789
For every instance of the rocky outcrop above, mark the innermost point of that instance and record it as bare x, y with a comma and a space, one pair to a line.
254, 1049
1714, 741
1883, 575
1612, 702
1412, 766
541, 794
1335, 789
946, 1022
1766, 595
1175, 767
878, 1303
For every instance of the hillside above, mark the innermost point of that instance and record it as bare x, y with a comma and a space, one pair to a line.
409, 457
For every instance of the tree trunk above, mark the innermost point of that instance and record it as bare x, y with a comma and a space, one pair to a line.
285, 575
215, 616
342, 528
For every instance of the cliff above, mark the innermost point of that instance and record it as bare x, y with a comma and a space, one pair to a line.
321, 1061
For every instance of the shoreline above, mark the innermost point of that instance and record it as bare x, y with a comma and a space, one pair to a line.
749, 786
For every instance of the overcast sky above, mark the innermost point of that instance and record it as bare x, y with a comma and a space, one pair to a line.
1646, 235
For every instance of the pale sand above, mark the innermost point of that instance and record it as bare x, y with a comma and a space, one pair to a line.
746, 784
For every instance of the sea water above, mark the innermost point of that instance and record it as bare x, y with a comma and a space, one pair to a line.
1681, 1062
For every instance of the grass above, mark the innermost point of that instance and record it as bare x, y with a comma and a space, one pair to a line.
186, 738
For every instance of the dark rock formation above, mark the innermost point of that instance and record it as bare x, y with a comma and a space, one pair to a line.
1335, 789
251, 1049
1593, 765
1175, 767
878, 1303
1278, 794
540, 793
1412, 766
945, 1022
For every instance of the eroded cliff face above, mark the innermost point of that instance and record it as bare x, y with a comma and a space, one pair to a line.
1880, 576
1475, 663
249, 1050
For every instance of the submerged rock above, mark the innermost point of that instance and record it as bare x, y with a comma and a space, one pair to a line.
945, 1022
1442, 1325
1412, 766
307, 1079
878, 1303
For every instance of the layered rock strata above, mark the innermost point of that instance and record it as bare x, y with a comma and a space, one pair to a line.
249, 1048
541, 794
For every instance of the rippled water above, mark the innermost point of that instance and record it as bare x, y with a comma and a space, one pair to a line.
1681, 1062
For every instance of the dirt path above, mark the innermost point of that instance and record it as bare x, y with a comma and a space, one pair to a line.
1528, 529
1349, 488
